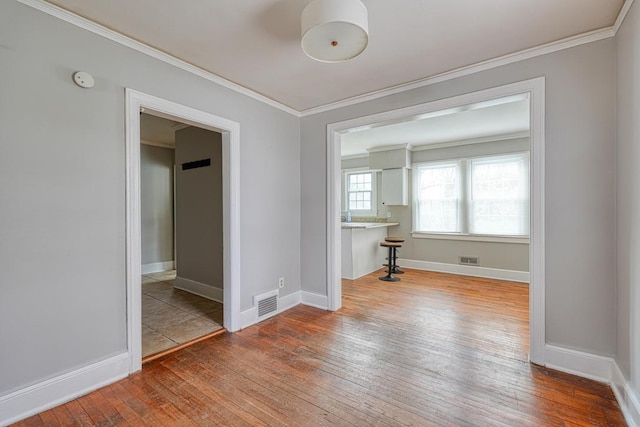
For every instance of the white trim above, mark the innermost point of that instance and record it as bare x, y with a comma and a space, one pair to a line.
314, 300
382, 148
495, 138
537, 277
198, 288
466, 270
599, 368
231, 208
552, 47
168, 145
156, 267
288, 301
107, 33
587, 365
250, 317
470, 237
355, 156
62, 388
535, 88
627, 397
623, 14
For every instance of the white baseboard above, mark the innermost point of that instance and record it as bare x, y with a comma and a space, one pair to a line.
61, 389
288, 301
600, 368
157, 267
466, 270
206, 291
315, 300
592, 366
250, 317
627, 397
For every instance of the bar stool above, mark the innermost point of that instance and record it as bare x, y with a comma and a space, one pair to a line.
396, 269
392, 247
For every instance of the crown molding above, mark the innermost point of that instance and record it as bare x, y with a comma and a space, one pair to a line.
493, 138
112, 35
355, 156
623, 14
590, 37
552, 47
389, 148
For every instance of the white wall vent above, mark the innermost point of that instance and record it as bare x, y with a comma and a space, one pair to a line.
267, 304
468, 260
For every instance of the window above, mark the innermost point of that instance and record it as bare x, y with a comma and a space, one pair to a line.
499, 196
477, 196
437, 204
360, 190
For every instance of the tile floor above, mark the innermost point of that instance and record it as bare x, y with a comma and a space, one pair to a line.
171, 317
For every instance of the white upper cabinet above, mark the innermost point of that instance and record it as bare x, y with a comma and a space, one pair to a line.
394, 187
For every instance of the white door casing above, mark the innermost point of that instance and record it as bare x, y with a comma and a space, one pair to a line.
535, 88
230, 130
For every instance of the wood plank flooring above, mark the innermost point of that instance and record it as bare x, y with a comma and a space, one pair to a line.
430, 350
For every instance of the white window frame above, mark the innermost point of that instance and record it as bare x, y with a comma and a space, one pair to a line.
464, 220
374, 192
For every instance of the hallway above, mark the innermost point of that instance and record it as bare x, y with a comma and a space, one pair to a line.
171, 317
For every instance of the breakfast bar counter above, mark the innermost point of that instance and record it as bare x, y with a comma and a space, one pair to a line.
361, 251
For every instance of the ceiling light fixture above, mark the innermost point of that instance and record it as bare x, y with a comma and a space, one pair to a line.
334, 30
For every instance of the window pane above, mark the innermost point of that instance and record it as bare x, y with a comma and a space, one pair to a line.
437, 198
360, 189
360, 182
499, 196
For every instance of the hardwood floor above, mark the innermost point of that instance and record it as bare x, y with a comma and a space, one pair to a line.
432, 349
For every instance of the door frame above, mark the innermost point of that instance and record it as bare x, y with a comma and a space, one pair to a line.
135, 103
535, 88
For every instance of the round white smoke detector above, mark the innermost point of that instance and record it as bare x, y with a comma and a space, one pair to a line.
83, 79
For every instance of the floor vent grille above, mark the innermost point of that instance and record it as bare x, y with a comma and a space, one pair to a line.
468, 260
267, 304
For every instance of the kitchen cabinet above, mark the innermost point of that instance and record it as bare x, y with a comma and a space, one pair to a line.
394, 187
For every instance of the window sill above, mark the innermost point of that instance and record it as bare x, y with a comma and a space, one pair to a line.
471, 237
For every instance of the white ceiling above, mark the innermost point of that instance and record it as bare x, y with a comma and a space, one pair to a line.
256, 44
500, 117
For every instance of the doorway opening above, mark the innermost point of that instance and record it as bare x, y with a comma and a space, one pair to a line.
227, 259
533, 90
181, 218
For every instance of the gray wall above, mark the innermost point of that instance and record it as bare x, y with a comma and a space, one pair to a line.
156, 203
62, 234
199, 228
628, 200
580, 190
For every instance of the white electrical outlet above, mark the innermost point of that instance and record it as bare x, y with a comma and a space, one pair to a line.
281, 282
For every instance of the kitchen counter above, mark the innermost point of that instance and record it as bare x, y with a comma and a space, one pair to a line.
368, 224
361, 251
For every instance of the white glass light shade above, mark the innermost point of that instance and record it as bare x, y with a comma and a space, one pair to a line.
334, 30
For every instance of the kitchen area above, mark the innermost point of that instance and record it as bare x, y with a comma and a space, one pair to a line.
372, 184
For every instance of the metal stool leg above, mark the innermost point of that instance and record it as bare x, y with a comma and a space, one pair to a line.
389, 277
396, 269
